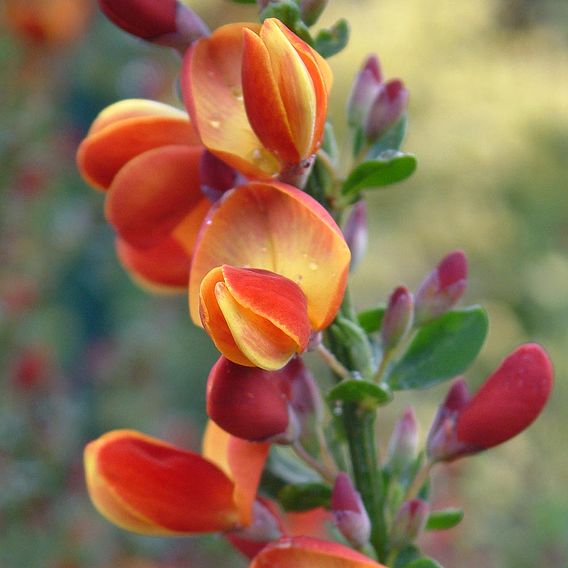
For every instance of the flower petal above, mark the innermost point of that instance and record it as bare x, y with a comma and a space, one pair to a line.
153, 193
276, 227
241, 461
509, 401
150, 487
306, 552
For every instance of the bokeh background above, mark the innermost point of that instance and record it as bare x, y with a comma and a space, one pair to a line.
82, 350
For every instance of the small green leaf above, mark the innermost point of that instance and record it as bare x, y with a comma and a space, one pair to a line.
424, 563
441, 350
390, 167
287, 11
371, 320
405, 556
305, 496
369, 395
356, 343
330, 41
443, 520
392, 138
284, 465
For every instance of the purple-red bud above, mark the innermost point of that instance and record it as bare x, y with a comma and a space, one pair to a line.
164, 22
305, 397
365, 89
409, 522
387, 108
356, 233
506, 404
349, 514
311, 10
398, 318
216, 176
403, 444
442, 288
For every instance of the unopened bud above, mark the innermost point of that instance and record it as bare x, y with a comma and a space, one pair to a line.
163, 22
216, 176
386, 110
442, 288
305, 396
397, 319
349, 513
311, 10
403, 444
356, 233
365, 88
409, 522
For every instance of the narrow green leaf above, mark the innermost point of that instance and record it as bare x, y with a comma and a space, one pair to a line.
441, 350
443, 520
371, 320
286, 466
424, 563
390, 167
369, 395
304, 497
286, 11
405, 556
357, 345
330, 41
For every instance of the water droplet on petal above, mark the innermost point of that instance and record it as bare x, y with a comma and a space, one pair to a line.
313, 265
215, 123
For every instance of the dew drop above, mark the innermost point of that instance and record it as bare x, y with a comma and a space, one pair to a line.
313, 265
215, 123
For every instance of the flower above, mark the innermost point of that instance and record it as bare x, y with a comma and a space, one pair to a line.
258, 131
150, 487
146, 156
509, 401
269, 266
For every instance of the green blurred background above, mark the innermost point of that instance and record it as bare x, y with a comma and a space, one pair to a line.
82, 350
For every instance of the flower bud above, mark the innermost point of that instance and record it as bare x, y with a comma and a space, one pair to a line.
397, 319
442, 288
356, 233
409, 522
163, 22
509, 401
311, 10
365, 88
386, 110
349, 513
215, 176
403, 444
305, 396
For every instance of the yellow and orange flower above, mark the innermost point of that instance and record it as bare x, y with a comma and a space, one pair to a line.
257, 95
269, 267
146, 155
150, 487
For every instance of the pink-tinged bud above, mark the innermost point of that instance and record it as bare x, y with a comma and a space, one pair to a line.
403, 444
386, 110
442, 288
366, 87
216, 176
398, 318
409, 522
164, 22
311, 10
509, 401
305, 396
356, 233
349, 514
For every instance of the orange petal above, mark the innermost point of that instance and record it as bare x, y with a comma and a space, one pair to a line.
211, 84
306, 552
163, 268
117, 136
150, 487
153, 193
276, 227
241, 461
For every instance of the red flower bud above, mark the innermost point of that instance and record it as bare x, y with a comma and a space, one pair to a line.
215, 176
365, 88
442, 288
409, 522
398, 318
356, 233
349, 513
507, 403
386, 110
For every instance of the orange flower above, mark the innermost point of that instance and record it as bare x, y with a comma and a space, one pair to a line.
257, 96
262, 317
48, 22
307, 552
150, 487
146, 156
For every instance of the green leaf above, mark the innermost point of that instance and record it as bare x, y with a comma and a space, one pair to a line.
330, 41
284, 465
441, 349
390, 167
424, 563
369, 395
371, 320
445, 519
406, 555
356, 343
305, 496
287, 11
392, 139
